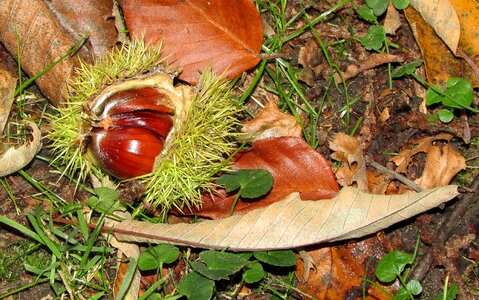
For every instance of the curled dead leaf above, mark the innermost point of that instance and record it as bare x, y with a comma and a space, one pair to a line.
348, 150
271, 122
443, 162
292, 222
7, 89
14, 159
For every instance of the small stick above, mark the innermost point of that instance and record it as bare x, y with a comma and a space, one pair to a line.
411, 184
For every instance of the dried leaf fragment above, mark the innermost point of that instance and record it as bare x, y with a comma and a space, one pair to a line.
292, 222
7, 89
271, 122
348, 150
442, 162
14, 159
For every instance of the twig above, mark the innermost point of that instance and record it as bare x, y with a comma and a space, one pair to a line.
445, 230
396, 175
470, 62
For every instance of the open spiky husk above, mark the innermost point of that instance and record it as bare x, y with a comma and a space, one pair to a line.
68, 128
195, 152
203, 135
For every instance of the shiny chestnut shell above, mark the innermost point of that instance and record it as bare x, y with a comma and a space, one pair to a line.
130, 131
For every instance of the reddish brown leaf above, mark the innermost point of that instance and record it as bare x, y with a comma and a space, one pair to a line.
341, 270
196, 34
92, 16
295, 166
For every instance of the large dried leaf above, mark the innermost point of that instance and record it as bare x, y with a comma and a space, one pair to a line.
41, 41
14, 159
292, 222
92, 16
295, 166
196, 34
442, 49
7, 88
442, 17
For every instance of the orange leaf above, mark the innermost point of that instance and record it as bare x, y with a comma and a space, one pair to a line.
295, 166
223, 34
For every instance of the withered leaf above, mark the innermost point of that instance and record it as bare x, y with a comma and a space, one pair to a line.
222, 34
42, 41
271, 122
295, 166
292, 222
7, 89
14, 159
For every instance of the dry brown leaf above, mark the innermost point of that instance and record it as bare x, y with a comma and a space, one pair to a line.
392, 22
443, 62
295, 166
92, 16
14, 159
348, 150
341, 270
223, 34
371, 62
7, 89
271, 122
442, 164
442, 17
42, 41
292, 222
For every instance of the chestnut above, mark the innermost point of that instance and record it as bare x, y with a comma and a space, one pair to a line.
126, 116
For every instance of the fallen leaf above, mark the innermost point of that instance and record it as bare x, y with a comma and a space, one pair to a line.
195, 34
392, 22
30, 26
7, 88
14, 159
271, 122
443, 62
442, 17
348, 150
341, 270
295, 166
92, 16
371, 62
309, 58
292, 222
442, 162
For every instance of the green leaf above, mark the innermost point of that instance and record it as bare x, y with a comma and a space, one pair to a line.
392, 265
407, 69
155, 257
283, 258
379, 7
253, 273
450, 294
367, 14
414, 287
401, 4
128, 278
460, 93
197, 287
218, 265
445, 115
374, 39
105, 201
251, 183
